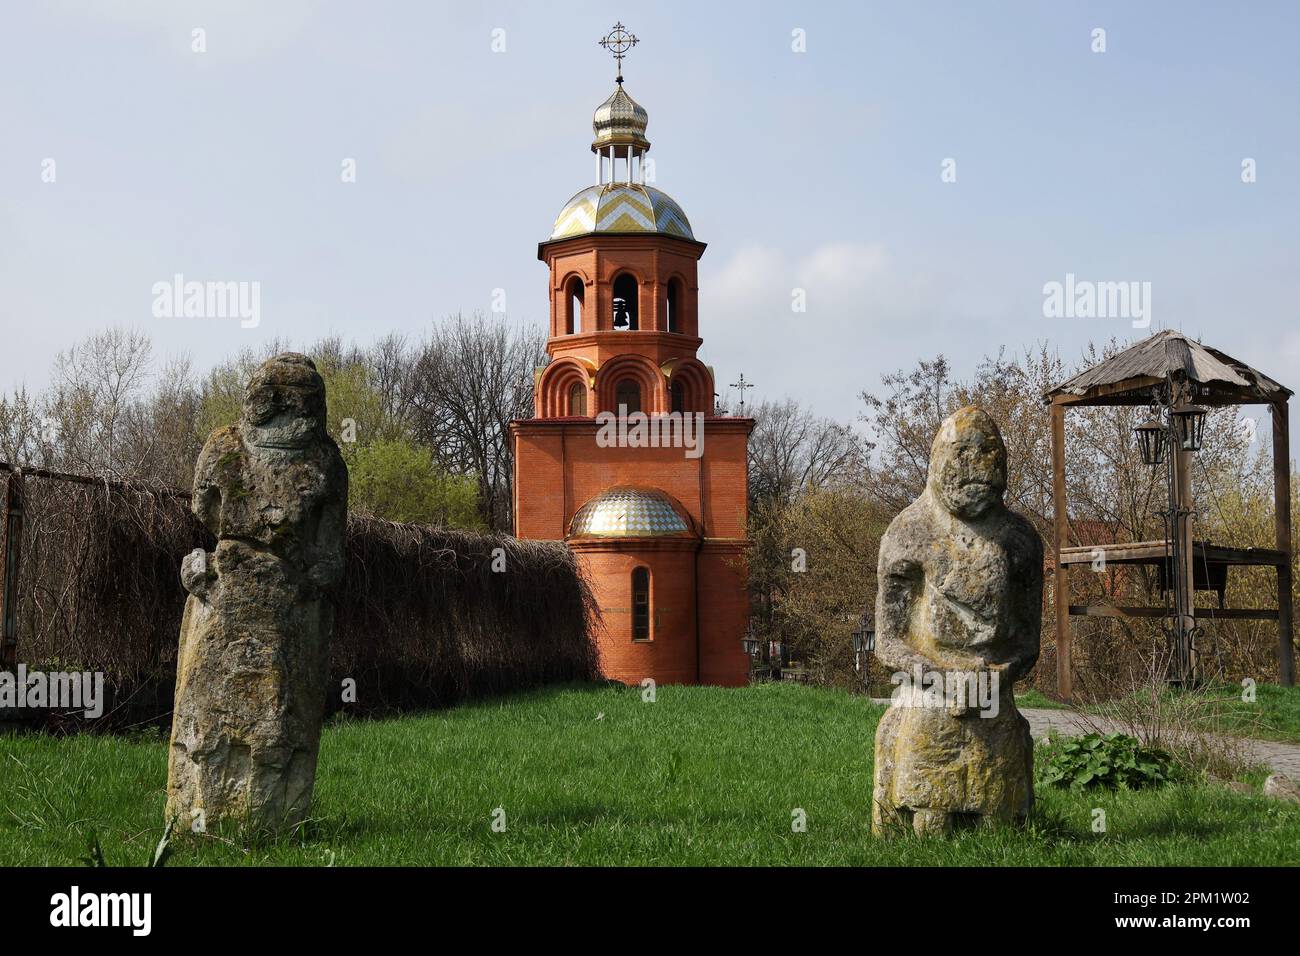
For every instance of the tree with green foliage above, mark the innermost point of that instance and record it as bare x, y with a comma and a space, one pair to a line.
398, 480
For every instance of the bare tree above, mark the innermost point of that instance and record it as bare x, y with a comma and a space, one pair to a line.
470, 379
97, 385
792, 450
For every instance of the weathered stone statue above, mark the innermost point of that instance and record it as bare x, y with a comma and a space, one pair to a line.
957, 618
254, 645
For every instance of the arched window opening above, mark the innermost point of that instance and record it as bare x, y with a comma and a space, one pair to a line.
627, 393
575, 293
625, 304
679, 397
641, 604
674, 300
577, 399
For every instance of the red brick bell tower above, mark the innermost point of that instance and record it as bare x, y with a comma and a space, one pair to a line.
624, 459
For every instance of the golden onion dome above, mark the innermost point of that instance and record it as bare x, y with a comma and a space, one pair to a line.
631, 513
621, 207
620, 121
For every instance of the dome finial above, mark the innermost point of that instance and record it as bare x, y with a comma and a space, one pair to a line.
618, 41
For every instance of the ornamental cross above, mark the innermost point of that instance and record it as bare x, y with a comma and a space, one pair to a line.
742, 385
618, 41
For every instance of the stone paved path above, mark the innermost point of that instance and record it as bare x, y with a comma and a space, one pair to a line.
1283, 758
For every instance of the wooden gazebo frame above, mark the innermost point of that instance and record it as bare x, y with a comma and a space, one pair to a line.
1194, 374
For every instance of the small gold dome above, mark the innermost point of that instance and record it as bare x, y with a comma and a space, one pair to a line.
631, 513
620, 121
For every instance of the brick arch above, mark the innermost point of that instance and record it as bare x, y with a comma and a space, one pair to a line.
554, 385
697, 381
643, 315
639, 369
563, 315
685, 320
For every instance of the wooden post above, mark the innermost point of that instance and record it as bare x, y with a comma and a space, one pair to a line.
1282, 529
1060, 532
1185, 654
11, 539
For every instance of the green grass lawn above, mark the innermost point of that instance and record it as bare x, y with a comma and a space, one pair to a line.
593, 775
1036, 698
1273, 715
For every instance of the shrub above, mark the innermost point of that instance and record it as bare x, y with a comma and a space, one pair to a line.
1105, 760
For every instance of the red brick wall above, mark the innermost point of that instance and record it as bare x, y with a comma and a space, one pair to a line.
669, 656
724, 614
559, 466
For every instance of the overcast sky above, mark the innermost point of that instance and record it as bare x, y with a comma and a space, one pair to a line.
820, 170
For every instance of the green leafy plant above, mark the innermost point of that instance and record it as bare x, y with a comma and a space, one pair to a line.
1112, 761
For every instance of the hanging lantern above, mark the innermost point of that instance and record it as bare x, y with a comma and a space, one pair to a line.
1151, 439
1189, 423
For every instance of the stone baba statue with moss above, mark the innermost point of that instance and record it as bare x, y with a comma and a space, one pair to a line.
958, 614
254, 643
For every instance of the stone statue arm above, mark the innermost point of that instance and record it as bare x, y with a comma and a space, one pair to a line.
207, 498
198, 573
901, 584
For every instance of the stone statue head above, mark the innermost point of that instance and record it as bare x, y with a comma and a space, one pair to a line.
968, 464
284, 404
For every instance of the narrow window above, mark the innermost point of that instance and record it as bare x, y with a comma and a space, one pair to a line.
674, 322
679, 397
627, 393
576, 294
577, 399
641, 604
625, 304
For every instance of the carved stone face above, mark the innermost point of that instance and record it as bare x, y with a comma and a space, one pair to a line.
968, 464
284, 404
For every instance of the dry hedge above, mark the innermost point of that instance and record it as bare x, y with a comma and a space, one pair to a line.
422, 619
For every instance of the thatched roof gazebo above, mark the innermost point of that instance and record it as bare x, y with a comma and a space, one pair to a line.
1176, 371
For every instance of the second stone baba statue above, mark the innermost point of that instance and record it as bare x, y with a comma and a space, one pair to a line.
959, 602
254, 647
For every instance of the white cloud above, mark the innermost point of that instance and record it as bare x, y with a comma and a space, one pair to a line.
866, 313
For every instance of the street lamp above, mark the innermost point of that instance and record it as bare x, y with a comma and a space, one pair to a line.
749, 642
1151, 439
1189, 425
864, 641
1176, 427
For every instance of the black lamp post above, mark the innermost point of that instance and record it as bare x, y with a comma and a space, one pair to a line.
1173, 429
750, 643
864, 642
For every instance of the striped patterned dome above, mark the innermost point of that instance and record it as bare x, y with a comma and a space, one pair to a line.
619, 120
631, 513
621, 207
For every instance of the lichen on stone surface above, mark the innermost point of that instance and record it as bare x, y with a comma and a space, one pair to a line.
254, 644
960, 591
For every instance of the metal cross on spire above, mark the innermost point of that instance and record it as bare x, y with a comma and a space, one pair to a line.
618, 41
742, 385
